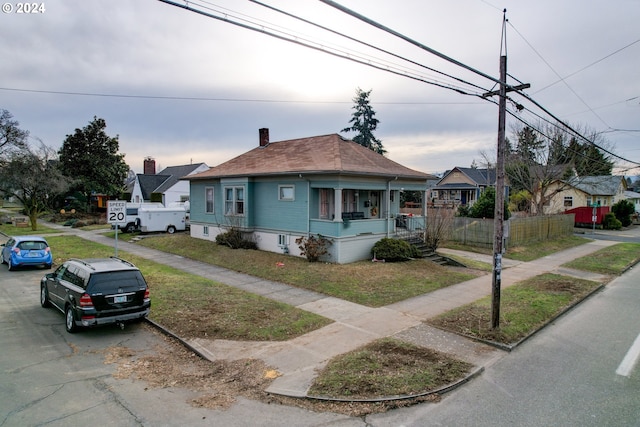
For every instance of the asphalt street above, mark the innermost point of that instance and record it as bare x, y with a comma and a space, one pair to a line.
564, 376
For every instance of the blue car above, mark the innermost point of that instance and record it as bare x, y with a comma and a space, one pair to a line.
22, 251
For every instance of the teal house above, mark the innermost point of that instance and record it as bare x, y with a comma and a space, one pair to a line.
322, 185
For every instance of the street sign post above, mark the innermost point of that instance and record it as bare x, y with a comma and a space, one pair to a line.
116, 214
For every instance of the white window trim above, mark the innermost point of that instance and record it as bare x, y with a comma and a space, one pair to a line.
293, 193
213, 200
234, 201
568, 199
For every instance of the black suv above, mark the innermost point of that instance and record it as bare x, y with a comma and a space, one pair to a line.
96, 291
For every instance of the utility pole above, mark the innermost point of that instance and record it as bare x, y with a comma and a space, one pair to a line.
498, 221
498, 217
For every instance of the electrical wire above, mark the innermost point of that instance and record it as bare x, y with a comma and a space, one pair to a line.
364, 43
323, 49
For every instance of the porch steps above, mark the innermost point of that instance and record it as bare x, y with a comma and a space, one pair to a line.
428, 254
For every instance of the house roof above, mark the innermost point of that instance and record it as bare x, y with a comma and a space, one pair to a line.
631, 195
326, 154
167, 178
149, 184
478, 176
606, 185
175, 174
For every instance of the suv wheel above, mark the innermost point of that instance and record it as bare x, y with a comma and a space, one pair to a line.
69, 321
44, 297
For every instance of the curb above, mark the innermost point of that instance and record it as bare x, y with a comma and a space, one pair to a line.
440, 390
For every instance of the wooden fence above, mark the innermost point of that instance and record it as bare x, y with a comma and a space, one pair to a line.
518, 231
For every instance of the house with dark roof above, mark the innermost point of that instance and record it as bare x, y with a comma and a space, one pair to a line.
323, 185
167, 187
461, 186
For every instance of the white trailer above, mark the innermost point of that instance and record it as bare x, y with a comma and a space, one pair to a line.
162, 219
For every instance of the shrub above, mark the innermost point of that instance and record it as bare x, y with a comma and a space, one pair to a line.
313, 247
610, 222
484, 207
393, 250
464, 210
623, 211
233, 238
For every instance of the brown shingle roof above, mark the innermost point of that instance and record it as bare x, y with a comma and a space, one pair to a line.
318, 154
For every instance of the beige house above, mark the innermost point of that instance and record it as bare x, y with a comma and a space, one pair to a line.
461, 186
585, 191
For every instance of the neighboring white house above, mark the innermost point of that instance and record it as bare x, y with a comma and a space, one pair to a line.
168, 183
634, 198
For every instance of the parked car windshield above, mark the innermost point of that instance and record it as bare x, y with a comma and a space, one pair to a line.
112, 280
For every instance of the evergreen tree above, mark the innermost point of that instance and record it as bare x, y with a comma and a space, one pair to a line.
90, 157
364, 122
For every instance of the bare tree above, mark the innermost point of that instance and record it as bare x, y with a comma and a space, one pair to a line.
32, 177
439, 222
541, 160
11, 136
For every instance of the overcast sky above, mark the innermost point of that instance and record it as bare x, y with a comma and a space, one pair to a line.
184, 88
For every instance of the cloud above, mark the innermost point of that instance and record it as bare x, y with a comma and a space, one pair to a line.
156, 50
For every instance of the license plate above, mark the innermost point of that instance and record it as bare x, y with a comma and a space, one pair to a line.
33, 254
120, 298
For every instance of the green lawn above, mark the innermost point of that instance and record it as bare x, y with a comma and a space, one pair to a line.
612, 260
524, 308
195, 307
363, 282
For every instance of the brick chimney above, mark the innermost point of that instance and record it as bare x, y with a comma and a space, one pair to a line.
264, 137
149, 166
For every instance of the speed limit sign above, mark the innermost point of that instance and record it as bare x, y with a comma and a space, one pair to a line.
116, 211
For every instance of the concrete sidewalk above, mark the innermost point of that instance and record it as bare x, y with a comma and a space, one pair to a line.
298, 360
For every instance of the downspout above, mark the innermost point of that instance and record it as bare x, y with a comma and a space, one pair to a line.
308, 203
389, 204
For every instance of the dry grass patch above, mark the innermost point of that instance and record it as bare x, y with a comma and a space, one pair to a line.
387, 368
524, 308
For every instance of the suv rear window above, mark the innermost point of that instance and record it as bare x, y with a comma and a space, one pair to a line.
31, 245
111, 280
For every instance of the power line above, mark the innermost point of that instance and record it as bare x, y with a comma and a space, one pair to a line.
588, 66
323, 49
408, 39
212, 99
445, 57
364, 43
561, 79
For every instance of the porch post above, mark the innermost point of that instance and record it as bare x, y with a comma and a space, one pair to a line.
337, 214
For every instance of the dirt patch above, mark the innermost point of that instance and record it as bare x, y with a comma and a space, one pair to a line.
172, 365
218, 384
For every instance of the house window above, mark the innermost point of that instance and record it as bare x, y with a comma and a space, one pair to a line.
208, 192
286, 192
568, 201
326, 203
234, 200
282, 240
205, 230
349, 203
